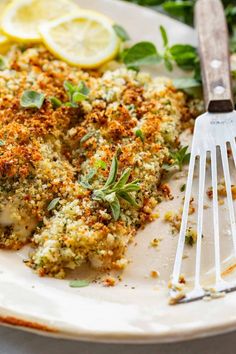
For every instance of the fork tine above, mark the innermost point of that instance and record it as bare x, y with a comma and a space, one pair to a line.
202, 174
233, 148
215, 216
181, 241
229, 193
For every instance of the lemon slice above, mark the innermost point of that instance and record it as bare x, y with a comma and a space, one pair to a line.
21, 18
3, 38
86, 38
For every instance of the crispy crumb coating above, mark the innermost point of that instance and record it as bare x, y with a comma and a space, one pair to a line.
43, 157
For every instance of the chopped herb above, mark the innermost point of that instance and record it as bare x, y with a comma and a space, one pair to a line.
139, 134
182, 188
86, 137
121, 33
142, 53
2, 142
181, 157
53, 204
100, 164
32, 99
114, 190
79, 283
190, 237
2, 63
76, 93
56, 103
85, 180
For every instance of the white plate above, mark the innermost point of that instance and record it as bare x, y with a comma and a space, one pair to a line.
137, 309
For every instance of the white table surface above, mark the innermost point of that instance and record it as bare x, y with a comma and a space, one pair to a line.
13, 341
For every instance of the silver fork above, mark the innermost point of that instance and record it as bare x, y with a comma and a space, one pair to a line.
213, 130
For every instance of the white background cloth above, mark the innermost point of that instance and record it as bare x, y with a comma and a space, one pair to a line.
13, 341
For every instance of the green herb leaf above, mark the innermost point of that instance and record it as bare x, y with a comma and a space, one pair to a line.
87, 136
143, 53
100, 164
126, 196
113, 172
2, 63
112, 191
85, 180
181, 157
76, 93
185, 56
164, 36
115, 208
122, 180
132, 187
56, 103
139, 134
186, 83
2, 142
79, 283
121, 33
32, 99
182, 188
53, 204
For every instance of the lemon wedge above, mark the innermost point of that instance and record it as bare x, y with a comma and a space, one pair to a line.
21, 18
86, 38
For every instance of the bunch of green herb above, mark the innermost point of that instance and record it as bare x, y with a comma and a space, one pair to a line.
184, 56
113, 190
183, 10
76, 94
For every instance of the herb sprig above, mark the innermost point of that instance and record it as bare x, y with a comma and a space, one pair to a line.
180, 157
76, 94
114, 189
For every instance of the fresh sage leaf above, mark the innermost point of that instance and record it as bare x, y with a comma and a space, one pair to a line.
122, 180
2, 142
32, 99
115, 208
113, 172
126, 196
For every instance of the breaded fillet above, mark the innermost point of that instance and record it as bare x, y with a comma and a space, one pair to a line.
47, 152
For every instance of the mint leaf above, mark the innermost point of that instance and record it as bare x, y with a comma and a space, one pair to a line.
32, 99
121, 33
142, 53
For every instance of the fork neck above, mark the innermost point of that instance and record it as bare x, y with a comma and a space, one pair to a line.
214, 54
